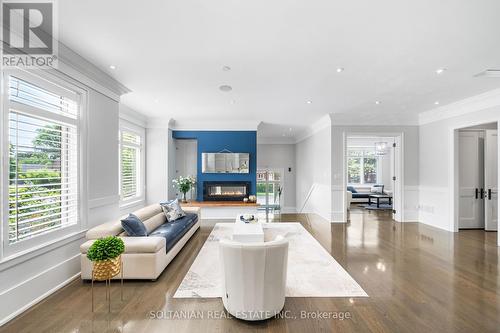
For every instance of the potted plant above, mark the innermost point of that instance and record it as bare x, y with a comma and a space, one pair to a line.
184, 184
105, 254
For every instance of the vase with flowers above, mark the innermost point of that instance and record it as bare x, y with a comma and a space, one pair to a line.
184, 184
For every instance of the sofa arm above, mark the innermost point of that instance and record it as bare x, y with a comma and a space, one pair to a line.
193, 210
349, 199
134, 244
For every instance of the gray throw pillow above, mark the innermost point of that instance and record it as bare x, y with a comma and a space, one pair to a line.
172, 210
134, 226
379, 189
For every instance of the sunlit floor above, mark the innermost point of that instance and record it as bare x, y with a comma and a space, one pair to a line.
419, 279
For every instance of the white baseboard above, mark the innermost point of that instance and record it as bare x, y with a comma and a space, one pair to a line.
289, 210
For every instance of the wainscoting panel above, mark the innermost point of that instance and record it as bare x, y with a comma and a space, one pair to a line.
338, 214
411, 195
318, 201
434, 207
28, 282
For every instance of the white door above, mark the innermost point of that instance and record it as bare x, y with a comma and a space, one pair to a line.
397, 195
186, 163
470, 180
491, 180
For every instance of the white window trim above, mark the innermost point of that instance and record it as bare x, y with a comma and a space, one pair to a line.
141, 132
61, 84
361, 175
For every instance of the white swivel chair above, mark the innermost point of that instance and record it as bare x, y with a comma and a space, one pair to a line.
254, 278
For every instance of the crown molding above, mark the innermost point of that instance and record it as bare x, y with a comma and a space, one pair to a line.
132, 115
202, 125
279, 140
472, 104
80, 69
375, 119
317, 126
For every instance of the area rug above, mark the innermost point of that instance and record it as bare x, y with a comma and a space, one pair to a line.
312, 271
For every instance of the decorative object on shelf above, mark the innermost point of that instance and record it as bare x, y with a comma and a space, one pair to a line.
245, 200
252, 198
248, 218
184, 184
105, 254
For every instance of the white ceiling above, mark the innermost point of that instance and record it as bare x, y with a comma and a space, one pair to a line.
283, 53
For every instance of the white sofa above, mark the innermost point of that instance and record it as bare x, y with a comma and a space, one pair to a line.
144, 257
254, 278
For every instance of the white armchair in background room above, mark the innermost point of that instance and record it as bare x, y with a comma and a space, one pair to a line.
254, 278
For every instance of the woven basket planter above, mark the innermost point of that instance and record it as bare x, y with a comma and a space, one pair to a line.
106, 269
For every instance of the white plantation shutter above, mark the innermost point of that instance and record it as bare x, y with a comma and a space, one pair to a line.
130, 164
43, 159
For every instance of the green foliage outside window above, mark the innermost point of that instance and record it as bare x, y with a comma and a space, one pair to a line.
38, 186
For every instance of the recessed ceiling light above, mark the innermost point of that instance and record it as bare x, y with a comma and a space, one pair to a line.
157, 100
112, 66
340, 70
440, 70
378, 102
436, 103
309, 102
225, 88
226, 68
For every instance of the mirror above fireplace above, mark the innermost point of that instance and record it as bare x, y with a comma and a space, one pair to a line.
225, 162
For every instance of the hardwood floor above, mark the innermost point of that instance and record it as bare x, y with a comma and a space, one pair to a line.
419, 279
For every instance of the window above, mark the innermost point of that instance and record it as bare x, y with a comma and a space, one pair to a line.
131, 163
42, 121
362, 166
269, 187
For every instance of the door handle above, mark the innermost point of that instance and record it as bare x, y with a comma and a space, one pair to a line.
489, 194
483, 192
477, 193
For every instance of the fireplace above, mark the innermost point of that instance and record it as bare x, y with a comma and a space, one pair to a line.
225, 190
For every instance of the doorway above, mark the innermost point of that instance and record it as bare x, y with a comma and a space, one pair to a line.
478, 177
374, 173
186, 151
269, 191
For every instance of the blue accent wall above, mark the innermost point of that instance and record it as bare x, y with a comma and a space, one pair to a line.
216, 141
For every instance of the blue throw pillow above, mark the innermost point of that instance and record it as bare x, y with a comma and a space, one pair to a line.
351, 189
134, 226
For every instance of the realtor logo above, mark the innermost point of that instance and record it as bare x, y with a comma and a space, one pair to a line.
28, 34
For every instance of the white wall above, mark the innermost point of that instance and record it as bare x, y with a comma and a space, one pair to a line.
436, 190
411, 171
386, 170
313, 159
157, 162
280, 156
29, 278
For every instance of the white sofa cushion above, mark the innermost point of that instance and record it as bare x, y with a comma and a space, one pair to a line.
134, 244
112, 228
